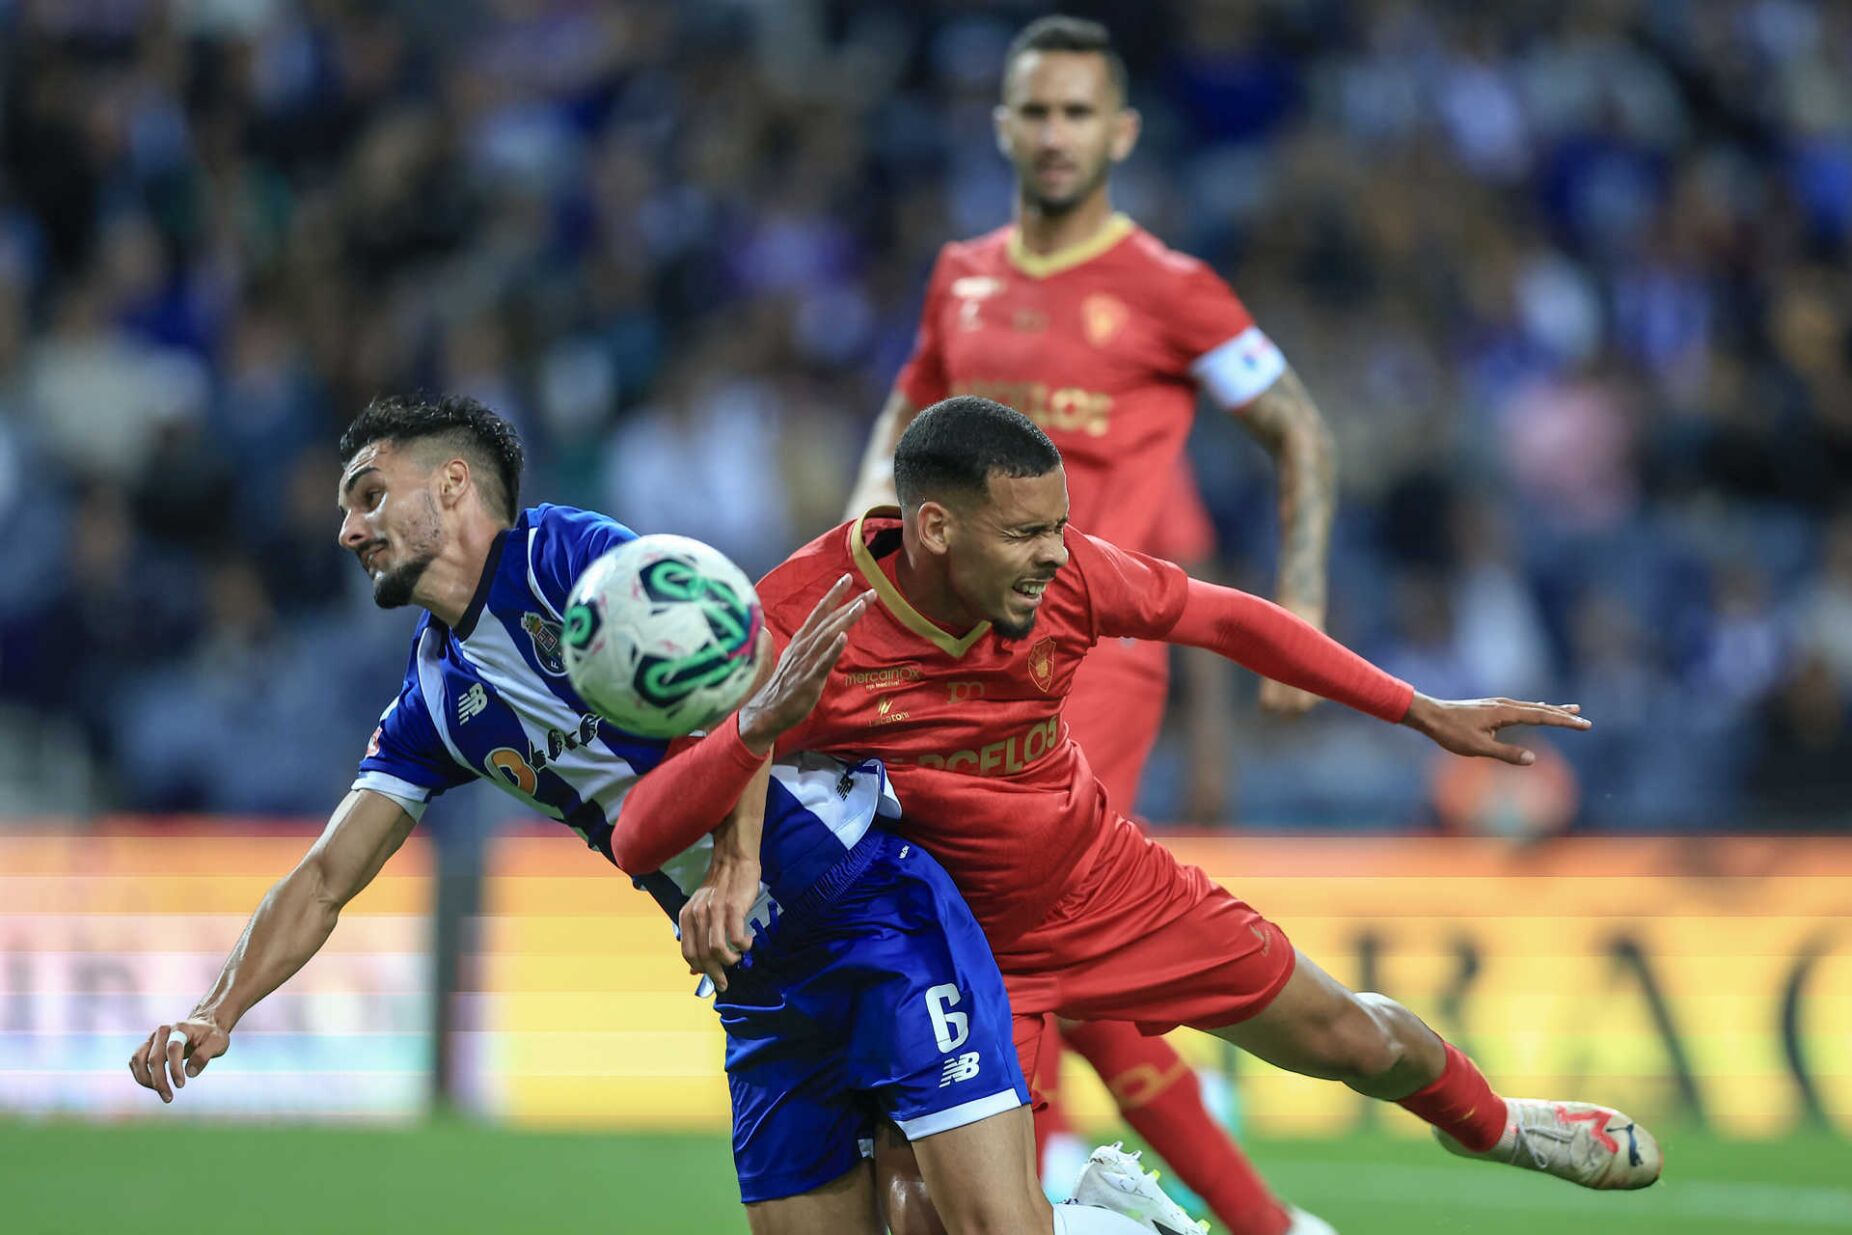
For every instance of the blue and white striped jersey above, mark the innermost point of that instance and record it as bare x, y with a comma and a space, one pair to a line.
490, 699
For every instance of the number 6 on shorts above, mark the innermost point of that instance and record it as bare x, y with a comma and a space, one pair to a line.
949, 1029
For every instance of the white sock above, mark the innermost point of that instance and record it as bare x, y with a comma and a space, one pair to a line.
1086, 1220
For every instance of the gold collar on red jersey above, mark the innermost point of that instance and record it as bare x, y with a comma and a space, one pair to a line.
1041, 265
897, 604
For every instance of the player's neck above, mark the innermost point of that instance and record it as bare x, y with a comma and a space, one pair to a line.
449, 583
924, 583
1043, 233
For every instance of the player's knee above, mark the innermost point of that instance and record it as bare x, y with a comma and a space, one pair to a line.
907, 1208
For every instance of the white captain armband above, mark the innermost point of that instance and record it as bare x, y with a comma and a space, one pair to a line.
1239, 371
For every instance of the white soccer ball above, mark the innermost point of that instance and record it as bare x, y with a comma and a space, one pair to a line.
662, 636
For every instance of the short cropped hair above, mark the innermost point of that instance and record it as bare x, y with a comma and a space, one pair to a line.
452, 422
1057, 33
953, 447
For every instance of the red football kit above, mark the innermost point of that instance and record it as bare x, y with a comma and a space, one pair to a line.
1105, 346
1087, 918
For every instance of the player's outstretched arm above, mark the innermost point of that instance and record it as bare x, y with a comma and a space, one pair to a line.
1287, 424
1265, 638
874, 481
678, 801
290, 925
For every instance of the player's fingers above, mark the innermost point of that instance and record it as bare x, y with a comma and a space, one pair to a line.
840, 621
176, 1060
157, 1063
1543, 714
739, 934
690, 929
138, 1063
205, 1050
1515, 755
719, 946
826, 605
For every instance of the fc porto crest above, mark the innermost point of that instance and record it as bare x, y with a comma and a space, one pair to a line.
1042, 664
548, 649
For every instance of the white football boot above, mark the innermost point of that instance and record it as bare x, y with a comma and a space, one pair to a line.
1307, 1224
1114, 1180
1595, 1146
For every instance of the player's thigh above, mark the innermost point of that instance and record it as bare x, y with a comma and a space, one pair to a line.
982, 1175
1315, 1026
845, 1204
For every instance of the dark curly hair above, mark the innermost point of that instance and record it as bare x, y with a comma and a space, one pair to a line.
454, 422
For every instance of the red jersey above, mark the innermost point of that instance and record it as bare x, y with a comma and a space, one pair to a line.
1104, 346
969, 723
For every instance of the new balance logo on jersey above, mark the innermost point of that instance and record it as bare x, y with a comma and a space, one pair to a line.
471, 705
962, 1068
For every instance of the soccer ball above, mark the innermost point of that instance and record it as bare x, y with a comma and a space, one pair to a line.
662, 636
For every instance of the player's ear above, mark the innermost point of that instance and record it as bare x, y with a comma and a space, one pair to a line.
1126, 127
1000, 125
934, 521
453, 482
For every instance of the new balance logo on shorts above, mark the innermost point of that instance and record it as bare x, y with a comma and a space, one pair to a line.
962, 1068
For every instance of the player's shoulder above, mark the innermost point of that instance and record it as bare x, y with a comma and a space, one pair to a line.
810, 569
552, 525
1152, 255
976, 254
555, 543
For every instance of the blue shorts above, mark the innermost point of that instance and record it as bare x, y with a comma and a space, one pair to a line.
875, 997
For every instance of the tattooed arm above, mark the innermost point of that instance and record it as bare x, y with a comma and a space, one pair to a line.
1286, 422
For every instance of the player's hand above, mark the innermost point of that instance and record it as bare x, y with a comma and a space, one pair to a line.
174, 1052
797, 682
1282, 700
715, 932
1471, 726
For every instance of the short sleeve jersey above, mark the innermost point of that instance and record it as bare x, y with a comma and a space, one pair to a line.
969, 723
1105, 346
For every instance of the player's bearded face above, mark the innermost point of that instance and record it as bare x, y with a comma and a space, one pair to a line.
1062, 124
392, 524
411, 548
1005, 550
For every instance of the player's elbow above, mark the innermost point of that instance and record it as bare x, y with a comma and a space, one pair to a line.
633, 853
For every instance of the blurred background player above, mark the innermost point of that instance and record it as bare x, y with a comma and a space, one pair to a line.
1087, 324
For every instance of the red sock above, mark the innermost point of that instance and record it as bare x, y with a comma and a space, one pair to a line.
1159, 1095
1049, 1120
1460, 1103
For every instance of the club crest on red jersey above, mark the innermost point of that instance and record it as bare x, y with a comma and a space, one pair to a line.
1042, 663
1103, 317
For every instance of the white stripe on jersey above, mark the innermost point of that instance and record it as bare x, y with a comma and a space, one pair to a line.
595, 772
431, 686
1239, 371
533, 579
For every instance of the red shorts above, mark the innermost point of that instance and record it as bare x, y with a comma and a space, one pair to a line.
1115, 710
1141, 937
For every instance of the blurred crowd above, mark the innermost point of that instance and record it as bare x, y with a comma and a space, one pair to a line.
1568, 279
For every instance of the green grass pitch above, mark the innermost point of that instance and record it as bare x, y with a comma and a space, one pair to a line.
464, 1179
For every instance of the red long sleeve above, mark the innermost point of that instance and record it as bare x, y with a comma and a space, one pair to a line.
1261, 636
682, 799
